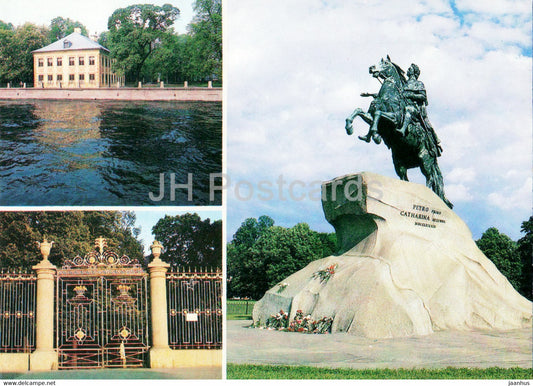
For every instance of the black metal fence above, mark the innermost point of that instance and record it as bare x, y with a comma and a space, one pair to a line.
240, 307
194, 308
17, 311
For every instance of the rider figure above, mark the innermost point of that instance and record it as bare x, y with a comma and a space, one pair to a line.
415, 95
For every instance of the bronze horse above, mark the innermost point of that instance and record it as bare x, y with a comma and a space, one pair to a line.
385, 117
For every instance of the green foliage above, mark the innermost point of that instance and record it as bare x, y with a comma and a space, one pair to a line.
240, 269
525, 250
73, 233
16, 45
134, 32
168, 61
329, 243
262, 254
195, 56
235, 371
140, 38
6, 26
60, 27
190, 241
206, 46
502, 251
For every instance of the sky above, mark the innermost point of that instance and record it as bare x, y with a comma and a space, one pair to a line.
147, 217
92, 14
294, 71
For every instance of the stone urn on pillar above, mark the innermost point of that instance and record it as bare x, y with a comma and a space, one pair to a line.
160, 353
44, 357
45, 248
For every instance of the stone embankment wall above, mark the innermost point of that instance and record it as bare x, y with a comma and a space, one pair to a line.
133, 94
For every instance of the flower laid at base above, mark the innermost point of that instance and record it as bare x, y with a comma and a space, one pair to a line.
326, 273
300, 323
282, 286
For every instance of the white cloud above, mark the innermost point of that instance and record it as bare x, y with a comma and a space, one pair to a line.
294, 73
511, 198
458, 192
494, 7
461, 175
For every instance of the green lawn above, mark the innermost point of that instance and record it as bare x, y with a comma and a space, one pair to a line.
235, 371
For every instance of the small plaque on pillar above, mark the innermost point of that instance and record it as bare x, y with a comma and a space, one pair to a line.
191, 317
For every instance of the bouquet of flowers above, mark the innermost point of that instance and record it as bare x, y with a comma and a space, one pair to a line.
322, 326
282, 286
300, 323
280, 321
325, 274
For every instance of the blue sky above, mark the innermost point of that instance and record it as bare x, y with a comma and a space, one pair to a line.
294, 71
93, 14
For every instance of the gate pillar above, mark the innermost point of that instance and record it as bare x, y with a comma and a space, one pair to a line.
44, 357
160, 353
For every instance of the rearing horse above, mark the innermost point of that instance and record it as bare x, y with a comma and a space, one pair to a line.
385, 117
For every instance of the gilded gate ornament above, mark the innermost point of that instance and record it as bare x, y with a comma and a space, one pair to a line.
102, 310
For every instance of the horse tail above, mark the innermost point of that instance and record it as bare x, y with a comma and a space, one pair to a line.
438, 182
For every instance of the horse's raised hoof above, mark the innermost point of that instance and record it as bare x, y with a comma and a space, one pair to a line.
365, 138
377, 139
348, 127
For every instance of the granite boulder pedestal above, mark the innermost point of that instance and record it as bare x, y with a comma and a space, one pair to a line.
407, 266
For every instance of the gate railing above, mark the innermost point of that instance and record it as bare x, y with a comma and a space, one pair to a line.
194, 308
17, 311
101, 311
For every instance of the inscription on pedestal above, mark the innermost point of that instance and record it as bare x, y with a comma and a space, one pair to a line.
424, 216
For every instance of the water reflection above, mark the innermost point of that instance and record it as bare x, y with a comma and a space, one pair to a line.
107, 152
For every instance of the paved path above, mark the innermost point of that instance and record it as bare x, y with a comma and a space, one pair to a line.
183, 373
439, 350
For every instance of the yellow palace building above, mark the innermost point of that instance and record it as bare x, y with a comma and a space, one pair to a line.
74, 61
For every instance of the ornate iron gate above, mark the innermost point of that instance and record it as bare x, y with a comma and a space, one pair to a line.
17, 311
101, 311
195, 309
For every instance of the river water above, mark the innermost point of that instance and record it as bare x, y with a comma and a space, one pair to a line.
108, 152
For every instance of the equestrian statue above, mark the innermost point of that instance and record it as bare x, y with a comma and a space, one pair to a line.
397, 114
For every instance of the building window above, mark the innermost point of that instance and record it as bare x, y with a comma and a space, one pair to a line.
59, 61
41, 78
91, 60
71, 77
60, 77
91, 76
71, 61
67, 43
82, 77
50, 78
40, 62
49, 62
81, 60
